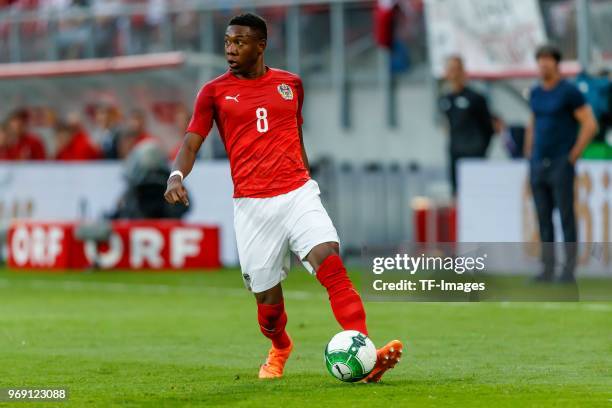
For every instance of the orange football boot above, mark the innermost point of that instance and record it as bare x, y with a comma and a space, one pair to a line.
386, 358
275, 363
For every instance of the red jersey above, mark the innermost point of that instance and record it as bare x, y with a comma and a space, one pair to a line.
258, 120
27, 147
79, 148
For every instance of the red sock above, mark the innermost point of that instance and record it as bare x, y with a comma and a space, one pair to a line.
345, 301
272, 321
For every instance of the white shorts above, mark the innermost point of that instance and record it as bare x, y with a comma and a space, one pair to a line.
268, 228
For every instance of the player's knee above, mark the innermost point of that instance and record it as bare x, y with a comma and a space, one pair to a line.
334, 247
272, 296
331, 248
321, 252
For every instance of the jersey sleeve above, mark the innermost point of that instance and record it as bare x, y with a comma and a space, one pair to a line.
575, 98
203, 112
300, 96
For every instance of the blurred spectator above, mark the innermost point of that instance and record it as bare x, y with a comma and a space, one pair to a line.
24, 4
74, 32
19, 144
125, 144
135, 133
74, 144
606, 120
470, 122
6, 3
56, 6
187, 36
105, 133
597, 90
145, 34
106, 26
71, 38
137, 125
3, 137
181, 120
46, 129
110, 138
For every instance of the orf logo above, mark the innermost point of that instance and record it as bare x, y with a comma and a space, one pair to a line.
145, 247
38, 247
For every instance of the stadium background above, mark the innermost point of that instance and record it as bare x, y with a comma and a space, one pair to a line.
377, 145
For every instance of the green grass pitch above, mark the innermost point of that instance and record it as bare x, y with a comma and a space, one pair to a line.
163, 339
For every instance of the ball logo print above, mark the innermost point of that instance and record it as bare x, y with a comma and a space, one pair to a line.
342, 371
358, 341
350, 356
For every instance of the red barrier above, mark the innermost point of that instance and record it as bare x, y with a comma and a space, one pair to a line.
149, 244
434, 223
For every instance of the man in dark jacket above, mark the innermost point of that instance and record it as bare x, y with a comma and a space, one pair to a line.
469, 119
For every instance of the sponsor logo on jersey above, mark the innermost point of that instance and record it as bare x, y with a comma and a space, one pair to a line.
285, 91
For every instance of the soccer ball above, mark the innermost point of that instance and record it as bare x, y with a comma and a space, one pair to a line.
350, 356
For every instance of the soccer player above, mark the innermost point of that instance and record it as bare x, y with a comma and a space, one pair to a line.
277, 208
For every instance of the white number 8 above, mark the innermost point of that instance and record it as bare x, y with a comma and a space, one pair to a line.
262, 120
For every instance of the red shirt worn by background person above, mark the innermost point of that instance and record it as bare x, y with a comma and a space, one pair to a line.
79, 148
258, 120
28, 147
143, 137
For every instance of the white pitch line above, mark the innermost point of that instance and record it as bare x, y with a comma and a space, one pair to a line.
143, 288
160, 289
591, 307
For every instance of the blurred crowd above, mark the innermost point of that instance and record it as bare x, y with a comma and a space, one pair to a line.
110, 32
76, 29
62, 5
108, 134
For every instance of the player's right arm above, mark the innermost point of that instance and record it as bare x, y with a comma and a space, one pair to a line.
197, 130
186, 157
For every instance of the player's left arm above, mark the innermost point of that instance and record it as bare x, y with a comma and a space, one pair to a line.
588, 129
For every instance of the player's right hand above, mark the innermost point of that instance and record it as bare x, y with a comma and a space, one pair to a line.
176, 192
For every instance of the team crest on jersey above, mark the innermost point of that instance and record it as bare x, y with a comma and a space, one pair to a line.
285, 91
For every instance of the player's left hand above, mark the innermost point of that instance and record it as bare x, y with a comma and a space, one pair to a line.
176, 192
